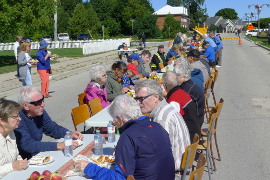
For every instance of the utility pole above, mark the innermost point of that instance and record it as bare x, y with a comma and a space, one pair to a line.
55, 21
132, 25
259, 9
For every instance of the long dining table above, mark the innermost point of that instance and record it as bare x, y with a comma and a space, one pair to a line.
101, 119
62, 164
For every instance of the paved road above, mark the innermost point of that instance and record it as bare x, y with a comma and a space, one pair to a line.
243, 129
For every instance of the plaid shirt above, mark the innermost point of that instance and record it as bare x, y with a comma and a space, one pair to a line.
174, 124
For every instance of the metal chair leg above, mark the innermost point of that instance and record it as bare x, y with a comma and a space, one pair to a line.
208, 164
215, 136
212, 157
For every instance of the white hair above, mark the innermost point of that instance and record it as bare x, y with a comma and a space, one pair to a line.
183, 70
204, 35
96, 72
170, 79
152, 87
125, 107
26, 94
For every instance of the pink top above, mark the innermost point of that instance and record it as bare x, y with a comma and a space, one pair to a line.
94, 90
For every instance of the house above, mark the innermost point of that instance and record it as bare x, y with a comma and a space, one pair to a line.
180, 14
223, 25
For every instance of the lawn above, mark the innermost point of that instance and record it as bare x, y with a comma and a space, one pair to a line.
8, 64
262, 41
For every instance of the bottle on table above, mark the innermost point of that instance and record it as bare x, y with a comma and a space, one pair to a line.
98, 139
111, 132
68, 150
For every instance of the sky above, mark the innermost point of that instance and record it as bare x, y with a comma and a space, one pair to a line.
213, 6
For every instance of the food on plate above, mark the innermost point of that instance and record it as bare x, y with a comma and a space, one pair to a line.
47, 159
34, 61
103, 158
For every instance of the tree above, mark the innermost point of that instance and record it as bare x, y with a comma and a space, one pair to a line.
146, 24
84, 19
195, 11
212, 27
227, 13
264, 22
171, 26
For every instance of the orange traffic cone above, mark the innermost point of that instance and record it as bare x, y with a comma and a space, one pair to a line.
169, 43
240, 42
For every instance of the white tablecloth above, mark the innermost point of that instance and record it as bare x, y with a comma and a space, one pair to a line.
59, 159
101, 119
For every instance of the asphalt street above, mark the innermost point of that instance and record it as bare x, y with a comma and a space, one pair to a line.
243, 126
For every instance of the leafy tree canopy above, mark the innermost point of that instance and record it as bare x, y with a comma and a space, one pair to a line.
227, 13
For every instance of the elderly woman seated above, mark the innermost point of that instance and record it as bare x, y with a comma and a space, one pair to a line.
96, 87
10, 160
143, 150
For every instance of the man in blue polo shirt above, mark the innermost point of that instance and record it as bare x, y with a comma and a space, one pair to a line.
209, 53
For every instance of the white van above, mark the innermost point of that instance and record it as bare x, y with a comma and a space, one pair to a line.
63, 37
252, 33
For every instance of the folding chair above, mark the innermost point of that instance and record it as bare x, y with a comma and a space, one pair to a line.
207, 90
95, 106
79, 115
198, 173
81, 98
204, 130
188, 156
207, 145
130, 177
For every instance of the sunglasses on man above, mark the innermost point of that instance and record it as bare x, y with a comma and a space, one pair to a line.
38, 102
142, 98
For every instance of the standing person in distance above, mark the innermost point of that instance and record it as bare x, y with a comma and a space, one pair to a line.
143, 38
44, 67
24, 64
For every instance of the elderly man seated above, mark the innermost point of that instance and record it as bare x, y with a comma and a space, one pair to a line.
35, 122
184, 74
182, 102
150, 98
143, 150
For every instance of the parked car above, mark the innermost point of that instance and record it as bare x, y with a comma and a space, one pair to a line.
48, 39
27, 39
63, 37
252, 33
83, 36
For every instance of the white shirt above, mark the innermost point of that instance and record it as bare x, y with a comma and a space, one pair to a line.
8, 153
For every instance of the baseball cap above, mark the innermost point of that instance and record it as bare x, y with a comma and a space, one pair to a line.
136, 56
133, 68
161, 46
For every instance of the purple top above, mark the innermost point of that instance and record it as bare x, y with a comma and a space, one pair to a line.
93, 91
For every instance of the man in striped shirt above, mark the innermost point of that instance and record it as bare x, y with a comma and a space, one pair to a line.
149, 96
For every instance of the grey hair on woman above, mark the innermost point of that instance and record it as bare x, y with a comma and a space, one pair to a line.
26, 94
7, 107
183, 70
170, 79
125, 107
97, 71
152, 87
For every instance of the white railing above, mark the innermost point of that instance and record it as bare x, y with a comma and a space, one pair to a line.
91, 46
103, 45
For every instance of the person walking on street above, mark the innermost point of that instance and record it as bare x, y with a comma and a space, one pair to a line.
143, 38
44, 67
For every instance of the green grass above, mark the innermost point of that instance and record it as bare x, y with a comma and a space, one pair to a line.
262, 41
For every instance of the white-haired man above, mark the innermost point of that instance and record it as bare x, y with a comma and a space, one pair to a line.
150, 98
143, 150
36, 122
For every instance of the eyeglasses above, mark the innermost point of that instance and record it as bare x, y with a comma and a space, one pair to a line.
38, 102
142, 98
14, 117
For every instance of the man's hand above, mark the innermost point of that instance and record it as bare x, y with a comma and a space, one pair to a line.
77, 135
80, 165
60, 146
20, 165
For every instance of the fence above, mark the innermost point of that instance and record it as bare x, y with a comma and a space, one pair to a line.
91, 46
